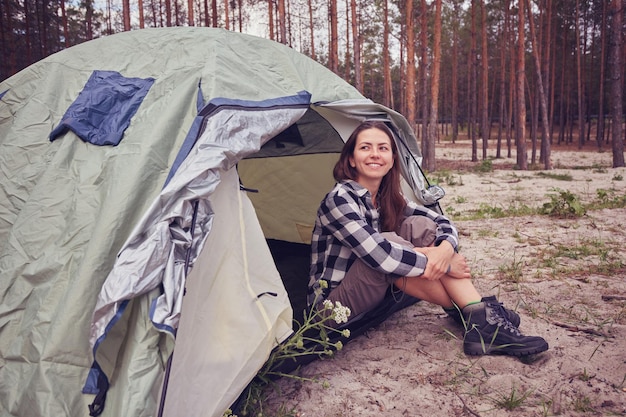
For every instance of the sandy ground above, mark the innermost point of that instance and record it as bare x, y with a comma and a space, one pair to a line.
566, 278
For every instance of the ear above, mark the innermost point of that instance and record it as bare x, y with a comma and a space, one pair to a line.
351, 161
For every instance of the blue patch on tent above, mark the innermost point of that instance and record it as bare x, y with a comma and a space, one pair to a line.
103, 109
3, 93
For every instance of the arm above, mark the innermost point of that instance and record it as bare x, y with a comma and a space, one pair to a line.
445, 229
342, 215
443, 258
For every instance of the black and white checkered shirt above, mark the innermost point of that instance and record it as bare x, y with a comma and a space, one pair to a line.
348, 227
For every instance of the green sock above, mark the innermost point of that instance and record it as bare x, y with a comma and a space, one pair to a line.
473, 302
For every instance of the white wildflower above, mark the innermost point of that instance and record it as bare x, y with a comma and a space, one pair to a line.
341, 313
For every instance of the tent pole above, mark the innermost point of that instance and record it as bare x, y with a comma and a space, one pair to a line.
168, 367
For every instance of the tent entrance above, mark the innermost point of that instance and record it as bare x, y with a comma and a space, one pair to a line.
292, 261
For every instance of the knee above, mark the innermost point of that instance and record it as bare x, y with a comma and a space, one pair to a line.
419, 230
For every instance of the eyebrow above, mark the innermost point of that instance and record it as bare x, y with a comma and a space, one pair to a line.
372, 144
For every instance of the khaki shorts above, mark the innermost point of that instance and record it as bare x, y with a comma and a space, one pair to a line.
363, 288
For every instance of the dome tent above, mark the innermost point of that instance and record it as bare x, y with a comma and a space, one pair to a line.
143, 179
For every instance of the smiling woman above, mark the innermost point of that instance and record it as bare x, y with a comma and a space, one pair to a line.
372, 159
369, 239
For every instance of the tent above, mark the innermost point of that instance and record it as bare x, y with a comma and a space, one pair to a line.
149, 183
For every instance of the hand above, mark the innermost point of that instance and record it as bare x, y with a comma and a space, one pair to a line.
439, 260
443, 260
459, 268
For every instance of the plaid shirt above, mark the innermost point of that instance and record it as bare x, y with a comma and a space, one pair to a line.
348, 227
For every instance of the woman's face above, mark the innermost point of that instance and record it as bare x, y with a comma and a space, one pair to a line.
373, 156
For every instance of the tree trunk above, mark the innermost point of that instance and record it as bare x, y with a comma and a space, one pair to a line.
141, 15
410, 65
579, 72
473, 91
66, 31
455, 76
484, 80
270, 14
312, 33
282, 22
543, 100
190, 12
88, 19
600, 128
333, 55
431, 134
214, 12
356, 47
616, 74
168, 13
503, 48
387, 96
520, 123
423, 70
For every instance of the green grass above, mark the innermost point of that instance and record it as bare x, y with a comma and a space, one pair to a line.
511, 401
554, 176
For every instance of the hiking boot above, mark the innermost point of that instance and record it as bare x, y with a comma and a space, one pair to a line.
489, 332
455, 313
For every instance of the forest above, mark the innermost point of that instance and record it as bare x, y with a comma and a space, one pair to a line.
522, 75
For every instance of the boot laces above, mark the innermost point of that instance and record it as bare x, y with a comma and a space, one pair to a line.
499, 317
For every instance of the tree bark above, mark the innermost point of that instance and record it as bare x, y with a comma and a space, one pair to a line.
168, 13
503, 48
282, 22
270, 14
543, 100
579, 77
356, 47
141, 15
423, 70
214, 13
66, 31
455, 75
484, 80
429, 148
312, 33
387, 95
410, 65
603, 29
520, 123
617, 85
473, 89
333, 54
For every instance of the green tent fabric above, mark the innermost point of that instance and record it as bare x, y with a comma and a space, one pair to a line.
111, 256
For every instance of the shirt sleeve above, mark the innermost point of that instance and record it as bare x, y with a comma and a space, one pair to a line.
341, 215
445, 229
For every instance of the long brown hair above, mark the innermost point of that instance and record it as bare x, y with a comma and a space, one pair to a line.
391, 203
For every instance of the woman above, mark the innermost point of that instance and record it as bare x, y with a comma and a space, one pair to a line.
368, 236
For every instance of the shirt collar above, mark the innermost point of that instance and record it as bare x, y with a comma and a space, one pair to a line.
358, 188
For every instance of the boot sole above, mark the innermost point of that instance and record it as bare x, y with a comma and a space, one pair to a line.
476, 349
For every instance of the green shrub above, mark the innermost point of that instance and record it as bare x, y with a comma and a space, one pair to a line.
563, 204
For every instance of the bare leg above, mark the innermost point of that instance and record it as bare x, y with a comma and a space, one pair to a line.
442, 292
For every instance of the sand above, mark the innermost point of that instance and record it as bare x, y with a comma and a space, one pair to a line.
564, 276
